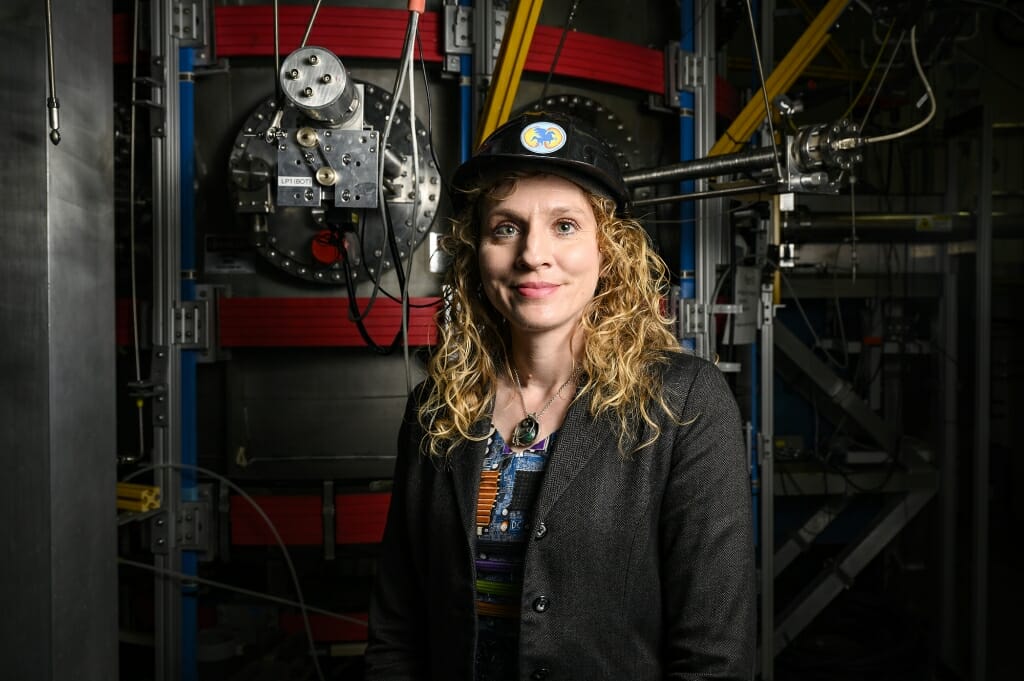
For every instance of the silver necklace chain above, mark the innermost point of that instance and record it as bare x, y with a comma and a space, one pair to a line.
526, 431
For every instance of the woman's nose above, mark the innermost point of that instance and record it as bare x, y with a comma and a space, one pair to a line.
535, 248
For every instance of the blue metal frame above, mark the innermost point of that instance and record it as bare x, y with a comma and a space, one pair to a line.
189, 437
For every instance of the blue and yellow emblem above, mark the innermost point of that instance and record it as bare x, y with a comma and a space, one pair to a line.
543, 137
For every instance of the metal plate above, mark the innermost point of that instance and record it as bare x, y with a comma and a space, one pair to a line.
288, 236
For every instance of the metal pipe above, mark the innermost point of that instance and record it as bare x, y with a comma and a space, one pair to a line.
766, 442
728, 164
465, 102
709, 194
189, 409
165, 366
982, 411
687, 152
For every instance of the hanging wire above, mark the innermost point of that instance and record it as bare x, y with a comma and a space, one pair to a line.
131, 234
764, 91
561, 43
928, 93
851, 142
181, 576
382, 146
404, 290
184, 467
871, 71
881, 81
853, 228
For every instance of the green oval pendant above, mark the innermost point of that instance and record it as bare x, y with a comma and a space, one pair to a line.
525, 431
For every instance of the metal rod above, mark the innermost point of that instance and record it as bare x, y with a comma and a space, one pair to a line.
727, 164
982, 410
52, 103
709, 194
764, 91
277, 52
309, 26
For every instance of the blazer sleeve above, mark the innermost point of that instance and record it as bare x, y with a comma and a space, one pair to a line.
706, 537
396, 648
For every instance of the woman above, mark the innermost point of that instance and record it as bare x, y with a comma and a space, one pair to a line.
571, 498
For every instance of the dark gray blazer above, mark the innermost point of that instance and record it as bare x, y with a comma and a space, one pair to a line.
638, 569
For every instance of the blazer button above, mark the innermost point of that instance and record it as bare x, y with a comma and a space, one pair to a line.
541, 603
540, 673
541, 530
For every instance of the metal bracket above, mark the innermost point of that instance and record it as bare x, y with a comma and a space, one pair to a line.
160, 536
786, 255
189, 22
192, 325
458, 31
157, 111
768, 306
192, 529
727, 309
210, 294
693, 317
684, 72
155, 387
189, 528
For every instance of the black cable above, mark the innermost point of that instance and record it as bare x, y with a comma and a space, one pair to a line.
357, 318
437, 165
558, 50
430, 121
183, 577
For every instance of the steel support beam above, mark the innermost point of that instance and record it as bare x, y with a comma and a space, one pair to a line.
982, 405
166, 361
509, 68
839, 391
710, 233
767, 464
806, 47
809, 531
899, 511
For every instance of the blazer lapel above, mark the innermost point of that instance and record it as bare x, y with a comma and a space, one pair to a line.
579, 438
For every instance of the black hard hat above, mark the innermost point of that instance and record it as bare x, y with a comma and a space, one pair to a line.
546, 142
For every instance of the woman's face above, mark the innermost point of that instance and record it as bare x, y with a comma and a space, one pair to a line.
538, 255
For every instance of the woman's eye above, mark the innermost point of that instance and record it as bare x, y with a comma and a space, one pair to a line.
565, 227
505, 230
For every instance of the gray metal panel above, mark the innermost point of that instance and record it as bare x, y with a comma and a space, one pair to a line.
57, 338
315, 413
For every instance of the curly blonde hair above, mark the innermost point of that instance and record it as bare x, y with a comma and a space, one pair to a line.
626, 331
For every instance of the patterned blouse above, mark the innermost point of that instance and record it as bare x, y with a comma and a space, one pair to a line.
508, 488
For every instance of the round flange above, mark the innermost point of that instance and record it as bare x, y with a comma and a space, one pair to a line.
297, 239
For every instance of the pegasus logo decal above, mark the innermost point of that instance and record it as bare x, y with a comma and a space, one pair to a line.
543, 137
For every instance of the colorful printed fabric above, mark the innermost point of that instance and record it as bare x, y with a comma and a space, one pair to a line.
509, 485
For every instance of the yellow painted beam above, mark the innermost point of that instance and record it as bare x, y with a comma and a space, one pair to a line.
812, 71
835, 50
804, 50
511, 58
